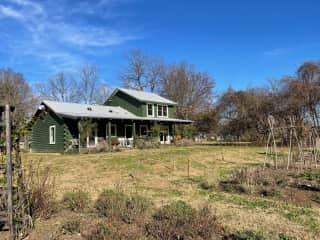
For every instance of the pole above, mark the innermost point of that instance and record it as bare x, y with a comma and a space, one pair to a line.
109, 135
9, 171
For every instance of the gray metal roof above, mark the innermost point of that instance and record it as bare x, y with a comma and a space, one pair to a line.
76, 110
145, 96
90, 111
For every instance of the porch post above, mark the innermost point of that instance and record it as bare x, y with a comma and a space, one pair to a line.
109, 134
133, 132
79, 136
174, 132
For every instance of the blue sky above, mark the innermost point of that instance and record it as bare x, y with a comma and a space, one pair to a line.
240, 43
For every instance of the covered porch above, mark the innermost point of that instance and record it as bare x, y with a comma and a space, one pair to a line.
121, 132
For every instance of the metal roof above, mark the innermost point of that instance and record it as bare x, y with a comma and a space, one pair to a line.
145, 96
86, 110
76, 110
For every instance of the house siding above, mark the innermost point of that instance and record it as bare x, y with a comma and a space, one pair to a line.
136, 107
40, 134
127, 102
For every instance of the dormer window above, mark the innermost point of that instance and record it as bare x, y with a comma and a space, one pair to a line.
150, 112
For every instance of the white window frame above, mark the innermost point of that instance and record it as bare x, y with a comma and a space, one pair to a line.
52, 140
146, 126
162, 105
148, 110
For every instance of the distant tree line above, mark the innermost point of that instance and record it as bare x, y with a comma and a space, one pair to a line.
244, 114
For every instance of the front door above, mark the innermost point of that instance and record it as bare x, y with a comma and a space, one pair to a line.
164, 135
128, 131
128, 136
92, 138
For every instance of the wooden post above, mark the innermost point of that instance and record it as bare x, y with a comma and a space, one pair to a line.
109, 134
79, 141
174, 133
9, 171
133, 133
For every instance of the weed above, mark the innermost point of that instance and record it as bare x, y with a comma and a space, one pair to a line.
41, 192
98, 232
76, 200
120, 206
179, 220
71, 226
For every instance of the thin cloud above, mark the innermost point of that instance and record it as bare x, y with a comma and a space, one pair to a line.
10, 12
54, 36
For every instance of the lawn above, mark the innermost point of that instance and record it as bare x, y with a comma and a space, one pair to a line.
172, 173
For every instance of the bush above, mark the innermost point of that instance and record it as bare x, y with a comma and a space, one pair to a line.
146, 143
254, 235
183, 142
179, 220
71, 226
119, 206
98, 232
205, 185
41, 192
249, 235
76, 200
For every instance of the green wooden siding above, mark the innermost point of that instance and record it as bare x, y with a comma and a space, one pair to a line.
127, 102
136, 107
40, 134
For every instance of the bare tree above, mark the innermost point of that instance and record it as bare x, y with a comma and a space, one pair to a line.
142, 71
14, 90
133, 75
91, 89
102, 93
88, 83
60, 88
191, 89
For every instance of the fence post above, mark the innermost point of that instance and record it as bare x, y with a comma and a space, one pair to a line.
9, 171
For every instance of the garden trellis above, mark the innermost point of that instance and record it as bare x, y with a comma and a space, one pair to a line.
302, 148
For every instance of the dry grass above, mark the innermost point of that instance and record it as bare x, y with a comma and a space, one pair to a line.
162, 175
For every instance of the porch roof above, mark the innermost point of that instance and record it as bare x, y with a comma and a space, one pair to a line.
76, 110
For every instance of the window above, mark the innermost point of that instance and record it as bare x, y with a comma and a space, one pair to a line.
150, 110
165, 111
52, 134
159, 110
162, 111
143, 130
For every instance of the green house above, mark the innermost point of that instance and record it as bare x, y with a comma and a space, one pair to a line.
126, 114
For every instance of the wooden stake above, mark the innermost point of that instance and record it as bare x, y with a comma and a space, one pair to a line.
9, 171
188, 167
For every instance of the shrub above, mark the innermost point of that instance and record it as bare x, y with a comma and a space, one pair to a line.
254, 235
179, 220
76, 200
205, 185
71, 226
249, 235
183, 142
40, 189
146, 143
98, 232
206, 224
117, 205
